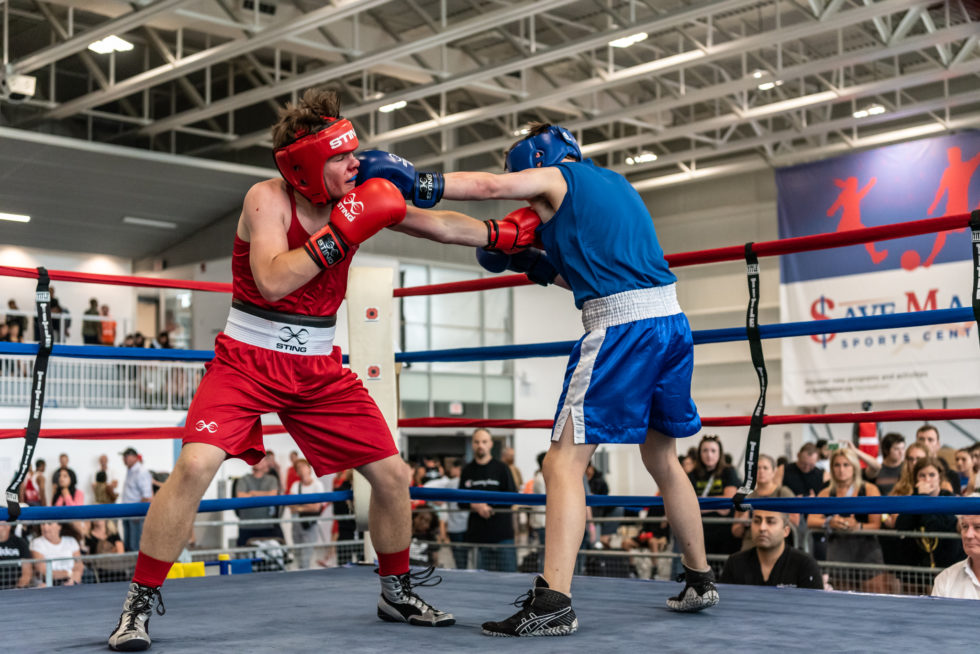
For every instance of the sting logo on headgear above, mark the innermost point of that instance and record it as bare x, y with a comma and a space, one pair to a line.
545, 149
301, 161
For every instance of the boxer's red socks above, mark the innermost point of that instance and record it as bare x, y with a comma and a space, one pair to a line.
394, 563
152, 572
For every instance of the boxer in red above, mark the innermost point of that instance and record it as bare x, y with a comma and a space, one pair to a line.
293, 247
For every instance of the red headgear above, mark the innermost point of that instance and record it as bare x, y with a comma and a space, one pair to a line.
301, 160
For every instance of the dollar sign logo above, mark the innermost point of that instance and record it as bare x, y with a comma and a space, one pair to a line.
817, 311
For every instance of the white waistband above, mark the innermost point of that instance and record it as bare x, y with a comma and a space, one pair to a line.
630, 306
279, 336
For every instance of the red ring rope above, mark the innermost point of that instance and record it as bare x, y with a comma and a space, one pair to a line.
902, 415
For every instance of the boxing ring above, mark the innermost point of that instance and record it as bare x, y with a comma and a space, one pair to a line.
254, 613
311, 610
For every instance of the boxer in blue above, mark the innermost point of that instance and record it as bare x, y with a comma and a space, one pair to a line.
628, 378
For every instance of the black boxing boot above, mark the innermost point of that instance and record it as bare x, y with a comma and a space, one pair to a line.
699, 591
544, 612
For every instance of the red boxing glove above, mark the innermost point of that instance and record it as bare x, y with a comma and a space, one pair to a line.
355, 218
514, 232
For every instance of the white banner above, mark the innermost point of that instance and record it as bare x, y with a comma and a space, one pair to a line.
895, 364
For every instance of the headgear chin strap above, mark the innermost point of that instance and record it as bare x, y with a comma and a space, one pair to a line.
300, 162
545, 149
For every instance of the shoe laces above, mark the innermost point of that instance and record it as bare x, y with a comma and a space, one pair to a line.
421, 579
523, 601
143, 600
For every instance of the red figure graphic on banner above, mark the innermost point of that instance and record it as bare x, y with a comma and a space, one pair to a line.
955, 185
850, 201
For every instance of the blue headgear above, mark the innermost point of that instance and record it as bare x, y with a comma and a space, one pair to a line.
546, 149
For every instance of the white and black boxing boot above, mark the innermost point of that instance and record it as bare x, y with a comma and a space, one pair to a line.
132, 633
399, 603
544, 612
699, 592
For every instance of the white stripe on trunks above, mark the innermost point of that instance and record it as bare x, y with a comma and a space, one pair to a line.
574, 404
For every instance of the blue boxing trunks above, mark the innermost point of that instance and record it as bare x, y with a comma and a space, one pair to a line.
630, 371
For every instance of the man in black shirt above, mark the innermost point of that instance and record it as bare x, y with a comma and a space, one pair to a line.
12, 549
803, 477
771, 562
485, 525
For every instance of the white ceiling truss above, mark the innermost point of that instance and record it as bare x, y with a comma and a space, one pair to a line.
716, 87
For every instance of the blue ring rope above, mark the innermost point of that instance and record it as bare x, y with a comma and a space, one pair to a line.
914, 504
555, 349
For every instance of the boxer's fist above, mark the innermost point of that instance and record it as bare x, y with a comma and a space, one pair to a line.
532, 261
423, 189
356, 217
514, 231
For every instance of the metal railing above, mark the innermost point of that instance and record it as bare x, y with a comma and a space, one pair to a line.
102, 384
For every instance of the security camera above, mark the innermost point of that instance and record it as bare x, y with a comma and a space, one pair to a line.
15, 87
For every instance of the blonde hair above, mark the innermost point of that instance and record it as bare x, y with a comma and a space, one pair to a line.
855, 465
906, 481
298, 119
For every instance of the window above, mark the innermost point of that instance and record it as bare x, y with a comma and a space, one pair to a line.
470, 389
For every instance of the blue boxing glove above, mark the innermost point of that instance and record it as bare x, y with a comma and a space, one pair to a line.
532, 262
423, 189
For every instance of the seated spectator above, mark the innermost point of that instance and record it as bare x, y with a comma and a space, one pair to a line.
65, 493
928, 436
15, 571
929, 552
845, 543
960, 580
893, 458
305, 532
712, 477
29, 493
63, 465
258, 484
422, 551
102, 538
906, 482
40, 481
16, 317
51, 544
975, 455
964, 468
771, 562
765, 486
802, 476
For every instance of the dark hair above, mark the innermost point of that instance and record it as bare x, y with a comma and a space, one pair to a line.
40, 462
100, 477
533, 129
926, 462
821, 443
926, 427
541, 459
890, 440
305, 116
807, 448
57, 479
699, 469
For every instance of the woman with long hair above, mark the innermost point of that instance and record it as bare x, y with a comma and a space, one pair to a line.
713, 477
845, 542
65, 493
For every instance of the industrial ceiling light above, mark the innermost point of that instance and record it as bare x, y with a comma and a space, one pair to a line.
642, 158
391, 107
627, 41
15, 217
111, 44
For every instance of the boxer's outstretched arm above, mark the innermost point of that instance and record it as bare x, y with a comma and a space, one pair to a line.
528, 184
451, 227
